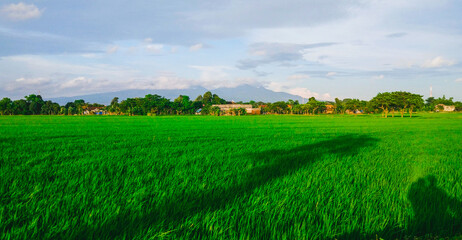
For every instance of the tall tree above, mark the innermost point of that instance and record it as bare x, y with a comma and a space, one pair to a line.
35, 103
382, 101
207, 98
352, 104
79, 106
415, 101
20, 107
6, 106
114, 106
198, 99
339, 106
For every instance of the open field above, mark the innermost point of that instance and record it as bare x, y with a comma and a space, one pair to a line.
294, 177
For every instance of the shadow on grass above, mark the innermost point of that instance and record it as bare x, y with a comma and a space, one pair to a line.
436, 215
269, 166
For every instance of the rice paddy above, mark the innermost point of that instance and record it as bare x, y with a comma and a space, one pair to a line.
247, 177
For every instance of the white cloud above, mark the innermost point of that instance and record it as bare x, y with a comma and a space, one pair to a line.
274, 52
299, 91
81, 82
169, 80
196, 47
155, 48
174, 49
132, 50
164, 81
148, 40
112, 49
210, 74
29, 84
438, 62
298, 77
89, 55
60, 69
362, 42
258, 52
459, 80
379, 77
306, 93
212, 77
20, 11
33, 81
331, 74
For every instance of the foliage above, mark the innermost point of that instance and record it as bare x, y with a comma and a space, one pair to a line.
6, 106
352, 105
157, 105
215, 111
431, 103
401, 101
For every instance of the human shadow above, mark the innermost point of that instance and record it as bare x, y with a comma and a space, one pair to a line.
436, 215
435, 212
268, 167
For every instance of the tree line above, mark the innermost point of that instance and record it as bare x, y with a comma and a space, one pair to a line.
385, 103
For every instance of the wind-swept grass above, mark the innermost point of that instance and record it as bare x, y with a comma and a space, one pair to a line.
266, 177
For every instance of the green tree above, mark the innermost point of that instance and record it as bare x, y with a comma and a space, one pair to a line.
352, 104
401, 99
217, 100
415, 101
35, 103
458, 106
6, 106
79, 106
182, 104
382, 101
278, 107
70, 110
114, 106
339, 106
430, 104
20, 107
407, 100
198, 99
239, 111
47, 108
207, 98
216, 111
317, 106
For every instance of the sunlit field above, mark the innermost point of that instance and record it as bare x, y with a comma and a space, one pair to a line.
236, 177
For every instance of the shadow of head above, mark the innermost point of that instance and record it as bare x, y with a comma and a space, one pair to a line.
347, 145
437, 215
273, 164
435, 211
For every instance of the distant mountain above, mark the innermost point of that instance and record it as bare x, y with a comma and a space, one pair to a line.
247, 93
243, 93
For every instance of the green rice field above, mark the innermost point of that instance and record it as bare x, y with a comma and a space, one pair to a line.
236, 177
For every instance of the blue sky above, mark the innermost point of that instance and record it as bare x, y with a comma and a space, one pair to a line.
320, 48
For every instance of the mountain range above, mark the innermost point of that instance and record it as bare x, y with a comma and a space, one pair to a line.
243, 93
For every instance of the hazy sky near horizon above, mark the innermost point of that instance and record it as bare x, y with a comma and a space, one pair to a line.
321, 48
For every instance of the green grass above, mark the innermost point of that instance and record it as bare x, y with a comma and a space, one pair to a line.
265, 177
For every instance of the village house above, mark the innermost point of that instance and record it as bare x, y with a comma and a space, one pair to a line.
95, 111
444, 108
330, 109
227, 108
357, 111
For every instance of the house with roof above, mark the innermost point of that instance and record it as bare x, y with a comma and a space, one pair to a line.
329, 109
228, 108
444, 108
95, 111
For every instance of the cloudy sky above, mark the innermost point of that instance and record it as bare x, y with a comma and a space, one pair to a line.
321, 48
